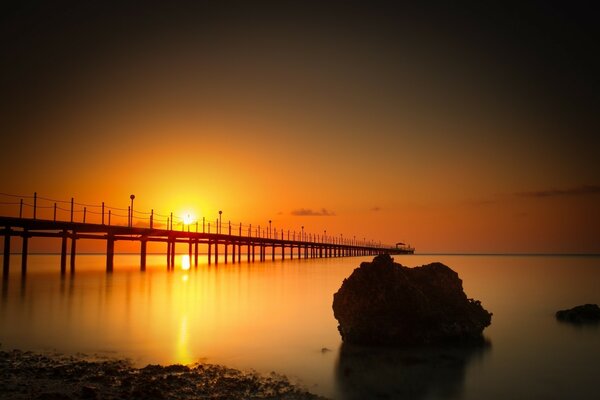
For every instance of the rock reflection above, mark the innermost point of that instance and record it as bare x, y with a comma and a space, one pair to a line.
405, 373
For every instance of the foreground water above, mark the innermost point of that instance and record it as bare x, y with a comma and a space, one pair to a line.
277, 316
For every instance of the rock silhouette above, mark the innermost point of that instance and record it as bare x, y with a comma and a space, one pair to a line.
587, 313
385, 303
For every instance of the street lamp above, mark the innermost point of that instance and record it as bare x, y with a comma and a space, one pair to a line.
325, 236
270, 229
131, 215
220, 222
302, 237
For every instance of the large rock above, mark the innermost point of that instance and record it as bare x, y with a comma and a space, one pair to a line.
587, 313
385, 303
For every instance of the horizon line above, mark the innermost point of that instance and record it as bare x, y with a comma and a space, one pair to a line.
415, 254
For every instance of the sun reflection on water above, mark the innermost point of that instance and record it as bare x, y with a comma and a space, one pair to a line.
185, 262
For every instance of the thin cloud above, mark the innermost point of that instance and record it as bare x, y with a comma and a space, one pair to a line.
376, 208
583, 190
307, 212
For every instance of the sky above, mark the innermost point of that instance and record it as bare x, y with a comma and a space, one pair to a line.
462, 127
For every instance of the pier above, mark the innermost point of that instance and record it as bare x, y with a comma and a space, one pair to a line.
227, 243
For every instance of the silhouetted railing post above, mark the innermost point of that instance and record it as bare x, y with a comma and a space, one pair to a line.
240, 234
72, 209
34, 205
102, 213
209, 227
84, 213
203, 225
109, 212
167, 223
171, 220
151, 218
229, 228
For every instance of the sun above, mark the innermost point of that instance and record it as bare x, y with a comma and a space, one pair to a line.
188, 218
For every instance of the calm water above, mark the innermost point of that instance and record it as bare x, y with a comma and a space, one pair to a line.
277, 316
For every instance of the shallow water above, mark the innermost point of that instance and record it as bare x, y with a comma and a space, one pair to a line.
277, 316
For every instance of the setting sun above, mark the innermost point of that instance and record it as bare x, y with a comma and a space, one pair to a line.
188, 218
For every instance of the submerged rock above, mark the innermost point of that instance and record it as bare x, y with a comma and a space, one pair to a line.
385, 303
587, 313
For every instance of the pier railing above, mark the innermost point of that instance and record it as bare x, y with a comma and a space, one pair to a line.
58, 210
38, 216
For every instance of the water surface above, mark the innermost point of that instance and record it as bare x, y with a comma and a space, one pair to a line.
277, 316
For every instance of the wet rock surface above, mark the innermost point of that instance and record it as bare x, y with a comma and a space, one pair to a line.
586, 313
385, 303
27, 375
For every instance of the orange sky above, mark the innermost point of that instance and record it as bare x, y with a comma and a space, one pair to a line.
427, 140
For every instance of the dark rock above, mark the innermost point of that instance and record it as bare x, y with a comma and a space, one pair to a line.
587, 313
89, 392
385, 303
52, 396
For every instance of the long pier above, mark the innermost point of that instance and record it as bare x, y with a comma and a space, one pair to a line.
237, 243
235, 247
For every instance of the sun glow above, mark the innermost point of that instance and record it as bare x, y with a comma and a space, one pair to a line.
188, 218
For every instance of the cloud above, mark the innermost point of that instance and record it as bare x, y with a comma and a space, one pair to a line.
583, 190
307, 212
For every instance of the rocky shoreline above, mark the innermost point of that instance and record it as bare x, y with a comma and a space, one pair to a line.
28, 375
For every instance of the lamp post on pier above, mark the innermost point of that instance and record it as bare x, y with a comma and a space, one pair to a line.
220, 222
132, 197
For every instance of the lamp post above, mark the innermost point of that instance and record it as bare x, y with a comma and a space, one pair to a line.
302, 237
220, 222
131, 210
325, 236
270, 229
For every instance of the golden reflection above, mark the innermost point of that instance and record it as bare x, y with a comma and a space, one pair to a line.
185, 262
183, 354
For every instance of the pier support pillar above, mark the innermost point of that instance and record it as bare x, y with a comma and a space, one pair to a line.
24, 252
168, 253
173, 242
110, 253
6, 260
143, 246
73, 251
209, 253
196, 253
216, 252
63, 253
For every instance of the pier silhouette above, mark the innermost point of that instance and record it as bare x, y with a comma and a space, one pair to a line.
100, 222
